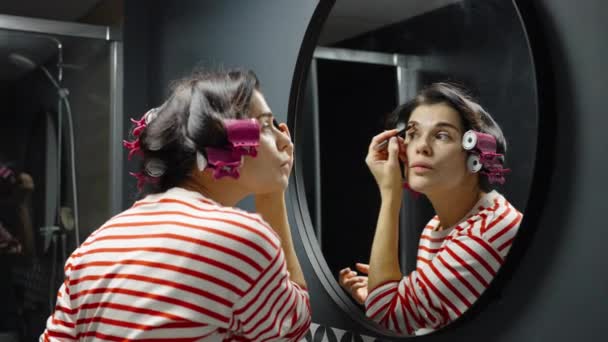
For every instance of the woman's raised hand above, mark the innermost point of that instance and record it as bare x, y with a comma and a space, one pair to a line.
384, 162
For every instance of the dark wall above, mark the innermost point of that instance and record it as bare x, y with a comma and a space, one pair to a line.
559, 291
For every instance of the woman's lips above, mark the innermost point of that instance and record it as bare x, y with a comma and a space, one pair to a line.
286, 165
421, 167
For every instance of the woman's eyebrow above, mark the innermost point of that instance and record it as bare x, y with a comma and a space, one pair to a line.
265, 114
414, 124
447, 124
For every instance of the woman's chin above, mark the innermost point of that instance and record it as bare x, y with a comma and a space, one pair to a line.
419, 186
279, 186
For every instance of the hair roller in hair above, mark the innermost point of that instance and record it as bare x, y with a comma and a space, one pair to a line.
483, 142
243, 135
474, 163
155, 168
223, 162
483, 157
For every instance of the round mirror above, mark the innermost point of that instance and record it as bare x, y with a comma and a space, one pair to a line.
359, 61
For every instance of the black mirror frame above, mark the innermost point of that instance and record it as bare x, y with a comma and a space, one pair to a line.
542, 174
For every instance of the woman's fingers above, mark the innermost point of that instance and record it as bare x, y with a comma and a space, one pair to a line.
354, 280
349, 279
359, 285
345, 275
379, 140
363, 268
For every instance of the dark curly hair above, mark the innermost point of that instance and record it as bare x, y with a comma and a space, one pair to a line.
192, 119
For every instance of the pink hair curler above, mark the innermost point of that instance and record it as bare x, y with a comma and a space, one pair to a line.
134, 147
6, 172
496, 175
139, 125
224, 162
483, 157
244, 138
243, 135
143, 178
484, 143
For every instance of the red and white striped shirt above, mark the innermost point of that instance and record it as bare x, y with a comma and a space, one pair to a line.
454, 267
178, 267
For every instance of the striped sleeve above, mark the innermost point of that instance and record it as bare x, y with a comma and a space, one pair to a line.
275, 308
61, 325
437, 292
442, 289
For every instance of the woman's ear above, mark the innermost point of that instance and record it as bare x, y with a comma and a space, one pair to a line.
283, 128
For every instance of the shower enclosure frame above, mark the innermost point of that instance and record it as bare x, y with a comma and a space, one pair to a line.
114, 37
406, 67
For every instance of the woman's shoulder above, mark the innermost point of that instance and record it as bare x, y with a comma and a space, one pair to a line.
495, 207
494, 219
190, 207
254, 220
251, 227
494, 201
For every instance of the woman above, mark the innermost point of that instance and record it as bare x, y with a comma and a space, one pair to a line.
464, 245
16, 240
16, 236
183, 264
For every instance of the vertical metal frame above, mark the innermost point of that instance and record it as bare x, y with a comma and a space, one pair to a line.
316, 148
406, 68
116, 127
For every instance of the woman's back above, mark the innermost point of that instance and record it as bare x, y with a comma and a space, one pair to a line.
179, 266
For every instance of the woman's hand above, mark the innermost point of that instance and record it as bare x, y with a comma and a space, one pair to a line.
14, 188
355, 285
384, 163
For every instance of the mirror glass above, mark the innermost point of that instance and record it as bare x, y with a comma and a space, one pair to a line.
370, 57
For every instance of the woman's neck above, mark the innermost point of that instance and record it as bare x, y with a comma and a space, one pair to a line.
452, 206
224, 191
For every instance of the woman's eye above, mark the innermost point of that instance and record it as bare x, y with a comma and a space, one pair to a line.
443, 136
265, 124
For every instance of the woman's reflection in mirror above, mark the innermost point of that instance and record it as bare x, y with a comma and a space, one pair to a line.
464, 245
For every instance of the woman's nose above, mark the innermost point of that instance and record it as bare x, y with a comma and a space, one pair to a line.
422, 147
283, 142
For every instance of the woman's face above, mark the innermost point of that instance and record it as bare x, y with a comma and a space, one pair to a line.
269, 170
436, 159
